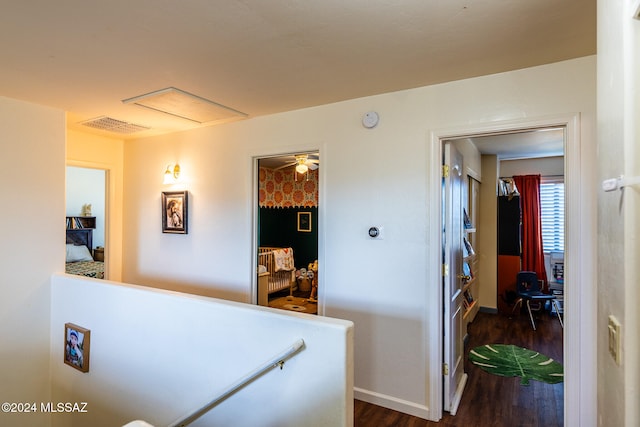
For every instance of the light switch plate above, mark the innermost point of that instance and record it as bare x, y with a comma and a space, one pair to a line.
615, 339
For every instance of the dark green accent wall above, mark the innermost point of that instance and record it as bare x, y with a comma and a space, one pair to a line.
279, 227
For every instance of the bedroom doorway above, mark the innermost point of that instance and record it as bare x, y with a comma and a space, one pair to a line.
85, 221
503, 157
287, 231
576, 288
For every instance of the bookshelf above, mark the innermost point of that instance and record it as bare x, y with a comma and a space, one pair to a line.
469, 256
77, 222
470, 261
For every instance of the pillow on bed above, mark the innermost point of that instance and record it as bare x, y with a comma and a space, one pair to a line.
78, 253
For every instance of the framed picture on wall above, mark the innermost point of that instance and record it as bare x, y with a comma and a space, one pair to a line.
77, 343
304, 221
174, 212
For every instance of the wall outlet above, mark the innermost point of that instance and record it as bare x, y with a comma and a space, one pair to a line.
615, 339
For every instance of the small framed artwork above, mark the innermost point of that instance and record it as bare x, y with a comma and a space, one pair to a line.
304, 221
77, 343
174, 212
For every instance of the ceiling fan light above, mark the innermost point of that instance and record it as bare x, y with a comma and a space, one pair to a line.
301, 168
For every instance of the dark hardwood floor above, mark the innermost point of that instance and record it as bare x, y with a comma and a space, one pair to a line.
491, 400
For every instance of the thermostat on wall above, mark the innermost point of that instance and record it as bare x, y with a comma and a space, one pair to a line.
370, 119
376, 232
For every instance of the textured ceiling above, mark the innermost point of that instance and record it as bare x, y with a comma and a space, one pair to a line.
261, 57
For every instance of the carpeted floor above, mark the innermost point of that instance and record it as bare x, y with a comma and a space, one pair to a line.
301, 305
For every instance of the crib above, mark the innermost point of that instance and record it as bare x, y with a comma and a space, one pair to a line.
271, 276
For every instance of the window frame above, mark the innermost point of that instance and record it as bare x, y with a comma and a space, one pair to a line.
553, 223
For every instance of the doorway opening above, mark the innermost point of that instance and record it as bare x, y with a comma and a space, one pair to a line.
86, 223
574, 314
287, 231
493, 237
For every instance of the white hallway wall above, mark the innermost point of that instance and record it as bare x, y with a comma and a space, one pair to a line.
618, 212
32, 248
368, 177
546, 166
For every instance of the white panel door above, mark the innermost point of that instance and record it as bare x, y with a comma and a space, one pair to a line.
454, 376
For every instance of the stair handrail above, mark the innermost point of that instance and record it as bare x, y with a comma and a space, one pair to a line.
276, 361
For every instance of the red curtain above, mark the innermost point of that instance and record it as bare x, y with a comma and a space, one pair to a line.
532, 251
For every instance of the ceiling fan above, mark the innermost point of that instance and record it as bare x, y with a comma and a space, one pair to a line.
303, 163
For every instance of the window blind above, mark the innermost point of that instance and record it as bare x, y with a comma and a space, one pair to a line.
552, 211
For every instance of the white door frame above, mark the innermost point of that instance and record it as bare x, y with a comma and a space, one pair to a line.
579, 340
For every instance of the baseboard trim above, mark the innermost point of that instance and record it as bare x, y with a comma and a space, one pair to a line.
390, 402
489, 310
458, 395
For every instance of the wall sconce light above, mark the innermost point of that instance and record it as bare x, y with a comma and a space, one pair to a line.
171, 175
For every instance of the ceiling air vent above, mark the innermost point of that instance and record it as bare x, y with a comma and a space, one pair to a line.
112, 125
